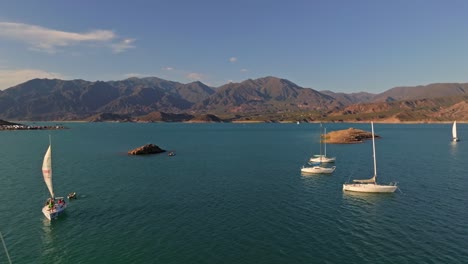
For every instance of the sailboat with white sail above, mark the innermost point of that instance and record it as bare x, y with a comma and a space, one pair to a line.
454, 132
370, 185
54, 205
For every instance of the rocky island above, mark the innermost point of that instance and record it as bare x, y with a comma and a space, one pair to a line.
146, 149
348, 136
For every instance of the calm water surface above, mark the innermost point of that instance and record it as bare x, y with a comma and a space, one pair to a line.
234, 194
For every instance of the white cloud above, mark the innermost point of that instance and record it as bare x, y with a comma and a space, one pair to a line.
194, 76
168, 68
49, 40
123, 45
233, 59
9, 78
243, 70
129, 75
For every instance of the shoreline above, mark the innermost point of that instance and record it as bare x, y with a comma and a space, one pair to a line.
247, 122
27, 127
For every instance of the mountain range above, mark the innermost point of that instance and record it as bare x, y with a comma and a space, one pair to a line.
269, 99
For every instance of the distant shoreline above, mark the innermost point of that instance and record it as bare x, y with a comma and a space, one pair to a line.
232, 122
27, 127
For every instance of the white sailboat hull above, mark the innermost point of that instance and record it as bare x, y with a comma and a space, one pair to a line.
369, 188
318, 170
317, 158
54, 212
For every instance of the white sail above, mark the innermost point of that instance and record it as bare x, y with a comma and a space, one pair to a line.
47, 170
454, 130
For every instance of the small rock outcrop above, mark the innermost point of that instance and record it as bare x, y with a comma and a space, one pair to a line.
146, 149
348, 136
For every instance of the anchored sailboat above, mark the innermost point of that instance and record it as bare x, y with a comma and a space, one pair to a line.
317, 169
322, 158
454, 132
370, 185
54, 205
317, 162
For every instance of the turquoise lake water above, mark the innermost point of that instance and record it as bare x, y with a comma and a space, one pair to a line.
234, 194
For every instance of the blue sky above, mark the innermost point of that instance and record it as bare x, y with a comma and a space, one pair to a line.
342, 46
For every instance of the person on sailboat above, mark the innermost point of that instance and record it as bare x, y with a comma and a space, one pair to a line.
51, 203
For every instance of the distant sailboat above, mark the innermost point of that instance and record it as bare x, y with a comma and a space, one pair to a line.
317, 162
454, 132
54, 205
322, 158
317, 169
370, 185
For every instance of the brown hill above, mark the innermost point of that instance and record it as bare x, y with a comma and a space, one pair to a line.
206, 119
165, 117
268, 99
109, 117
422, 110
269, 94
46, 99
351, 98
434, 90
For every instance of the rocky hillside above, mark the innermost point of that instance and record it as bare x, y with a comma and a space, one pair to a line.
435, 90
44, 99
269, 94
268, 99
420, 110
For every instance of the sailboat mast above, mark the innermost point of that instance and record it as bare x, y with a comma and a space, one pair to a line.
373, 151
320, 142
325, 141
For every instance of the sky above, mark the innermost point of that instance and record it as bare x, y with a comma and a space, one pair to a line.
341, 46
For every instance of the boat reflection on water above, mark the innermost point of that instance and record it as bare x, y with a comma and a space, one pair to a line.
52, 245
47, 238
362, 196
359, 200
